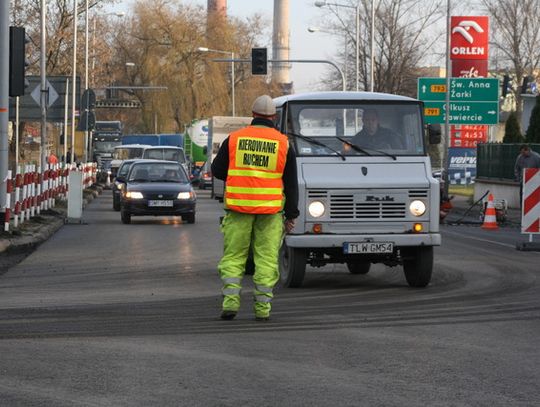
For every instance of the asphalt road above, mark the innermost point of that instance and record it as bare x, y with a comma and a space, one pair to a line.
106, 314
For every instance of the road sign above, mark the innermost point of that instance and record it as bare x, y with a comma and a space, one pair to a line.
469, 37
30, 103
461, 89
52, 95
462, 112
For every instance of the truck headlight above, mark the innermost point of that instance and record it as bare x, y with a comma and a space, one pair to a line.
134, 195
316, 209
417, 208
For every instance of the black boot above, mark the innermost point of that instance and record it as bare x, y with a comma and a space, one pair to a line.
228, 315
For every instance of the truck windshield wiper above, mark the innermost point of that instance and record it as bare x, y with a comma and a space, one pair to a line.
317, 143
361, 150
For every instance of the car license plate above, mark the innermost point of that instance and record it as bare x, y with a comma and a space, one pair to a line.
167, 203
368, 247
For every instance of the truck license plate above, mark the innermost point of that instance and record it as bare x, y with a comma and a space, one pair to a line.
368, 247
167, 203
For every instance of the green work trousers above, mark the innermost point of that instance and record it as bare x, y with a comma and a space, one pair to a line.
264, 234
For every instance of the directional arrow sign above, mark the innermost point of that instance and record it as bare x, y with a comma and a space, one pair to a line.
462, 112
461, 89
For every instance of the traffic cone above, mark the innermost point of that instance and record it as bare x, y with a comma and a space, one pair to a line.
490, 218
108, 182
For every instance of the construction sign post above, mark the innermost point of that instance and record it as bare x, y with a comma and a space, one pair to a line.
530, 213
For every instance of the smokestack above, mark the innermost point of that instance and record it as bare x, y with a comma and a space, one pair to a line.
217, 8
280, 45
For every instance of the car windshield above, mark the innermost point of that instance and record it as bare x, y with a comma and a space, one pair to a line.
157, 172
356, 129
167, 154
124, 169
127, 153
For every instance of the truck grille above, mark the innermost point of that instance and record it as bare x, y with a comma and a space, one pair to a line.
354, 206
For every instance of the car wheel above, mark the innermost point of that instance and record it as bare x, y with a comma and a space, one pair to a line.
125, 216
292, 266
116, 203
418, 265
189, 218
359, 267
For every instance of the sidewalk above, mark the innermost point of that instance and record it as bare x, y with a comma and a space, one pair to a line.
38, 229
463, 212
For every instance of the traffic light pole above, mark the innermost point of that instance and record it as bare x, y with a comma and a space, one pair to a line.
302, 61
4, 102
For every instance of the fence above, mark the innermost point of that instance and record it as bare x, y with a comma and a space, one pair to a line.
496, 160
29, 191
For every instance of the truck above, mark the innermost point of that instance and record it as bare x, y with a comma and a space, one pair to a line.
219, 128
174, 139
360, 204
105, 136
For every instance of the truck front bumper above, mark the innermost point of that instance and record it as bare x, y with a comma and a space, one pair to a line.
327, 241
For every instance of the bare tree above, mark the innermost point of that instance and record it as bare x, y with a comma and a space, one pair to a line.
404, 37
515, 34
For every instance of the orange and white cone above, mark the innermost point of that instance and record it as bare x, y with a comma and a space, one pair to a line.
490, 218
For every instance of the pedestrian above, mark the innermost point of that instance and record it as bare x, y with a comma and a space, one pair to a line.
525, 159
261, 202
52, 158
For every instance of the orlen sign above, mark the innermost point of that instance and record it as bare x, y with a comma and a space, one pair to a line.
469, 37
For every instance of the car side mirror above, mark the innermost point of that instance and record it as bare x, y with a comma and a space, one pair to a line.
120, 179
434, 133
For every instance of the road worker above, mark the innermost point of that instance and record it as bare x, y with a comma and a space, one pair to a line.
261, 202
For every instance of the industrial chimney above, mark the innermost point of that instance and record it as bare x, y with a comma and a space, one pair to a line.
280, 46
217, 8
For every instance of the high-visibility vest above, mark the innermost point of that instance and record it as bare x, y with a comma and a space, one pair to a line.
257, 157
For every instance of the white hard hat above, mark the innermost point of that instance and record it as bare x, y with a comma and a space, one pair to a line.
264, 106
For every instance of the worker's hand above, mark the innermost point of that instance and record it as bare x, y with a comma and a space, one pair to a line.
289, 225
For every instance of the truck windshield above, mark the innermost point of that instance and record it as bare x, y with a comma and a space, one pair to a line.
105, 146
392, 128
127, 153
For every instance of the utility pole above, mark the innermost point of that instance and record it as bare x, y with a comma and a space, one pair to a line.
44, 99
4, 102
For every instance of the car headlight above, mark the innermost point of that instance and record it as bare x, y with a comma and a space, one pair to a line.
316, 209
417, 208
120, 186
185, 195
134, 195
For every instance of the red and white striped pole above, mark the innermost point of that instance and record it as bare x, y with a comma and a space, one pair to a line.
9, 190
17, 209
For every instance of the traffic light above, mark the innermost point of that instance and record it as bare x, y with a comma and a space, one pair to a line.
17, 61
259, 61
505, 85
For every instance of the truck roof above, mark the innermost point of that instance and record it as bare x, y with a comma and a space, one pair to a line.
341, 96
133, 146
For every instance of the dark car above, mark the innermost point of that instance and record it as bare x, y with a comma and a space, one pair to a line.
120, 182
157, 188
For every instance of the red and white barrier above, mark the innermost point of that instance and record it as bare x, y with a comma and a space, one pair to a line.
530, 216
29, 192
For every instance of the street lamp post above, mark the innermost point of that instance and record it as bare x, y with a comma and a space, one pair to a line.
357, 34
204, 49
316, 29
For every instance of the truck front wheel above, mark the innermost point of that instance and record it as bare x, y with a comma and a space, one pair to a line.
292, 266
418, 265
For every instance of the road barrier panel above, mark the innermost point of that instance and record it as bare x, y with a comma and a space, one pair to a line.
530, 211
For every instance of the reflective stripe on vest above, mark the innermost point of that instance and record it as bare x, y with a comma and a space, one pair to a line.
257, 157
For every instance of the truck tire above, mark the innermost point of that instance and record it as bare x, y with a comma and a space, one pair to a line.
292, 266
418, 265
125, 216
359, 267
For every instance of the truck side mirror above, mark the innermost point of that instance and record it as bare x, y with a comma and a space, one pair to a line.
434, 133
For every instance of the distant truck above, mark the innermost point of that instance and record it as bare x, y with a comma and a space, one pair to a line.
219, 128
175, 140
105, 137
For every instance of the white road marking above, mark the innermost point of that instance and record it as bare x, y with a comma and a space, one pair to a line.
480, 239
